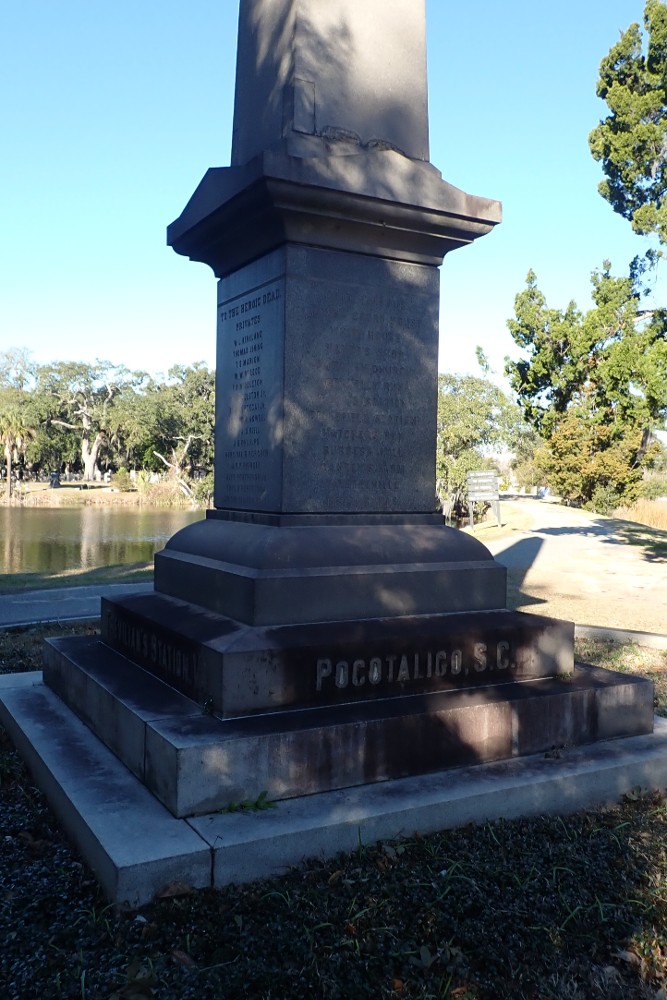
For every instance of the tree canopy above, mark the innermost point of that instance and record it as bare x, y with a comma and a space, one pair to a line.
94, 417
474, 417
593, 384
631, 142
15, 426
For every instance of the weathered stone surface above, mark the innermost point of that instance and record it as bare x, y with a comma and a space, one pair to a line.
131, 841
195, 762
331, 75
324, 825
237, 670
266, 575
136, 847
326, 385
111, 694
376, 202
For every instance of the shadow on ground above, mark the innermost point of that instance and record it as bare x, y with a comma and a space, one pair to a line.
617, 532
518, 558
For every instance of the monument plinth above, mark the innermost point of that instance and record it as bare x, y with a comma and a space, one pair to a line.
322, 628
323, 602
326, 234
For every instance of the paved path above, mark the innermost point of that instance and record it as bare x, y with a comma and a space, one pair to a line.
66, 604
580, 566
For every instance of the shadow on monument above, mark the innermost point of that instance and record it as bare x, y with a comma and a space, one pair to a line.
327, 112
397, 391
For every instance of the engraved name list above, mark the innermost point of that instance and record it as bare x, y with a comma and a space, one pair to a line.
248, 327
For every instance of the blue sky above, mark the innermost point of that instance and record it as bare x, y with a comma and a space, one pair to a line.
111, 114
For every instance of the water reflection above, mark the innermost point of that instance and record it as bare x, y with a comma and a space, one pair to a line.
43, 540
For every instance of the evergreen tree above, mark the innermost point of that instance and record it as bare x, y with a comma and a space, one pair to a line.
594, 385
474, 416
631, 143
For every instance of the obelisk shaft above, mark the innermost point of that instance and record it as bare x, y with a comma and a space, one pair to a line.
321, 76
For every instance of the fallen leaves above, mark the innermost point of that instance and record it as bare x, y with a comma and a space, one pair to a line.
182, 958
141, 982
173, 890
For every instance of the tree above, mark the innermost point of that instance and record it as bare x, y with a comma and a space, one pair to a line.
593, 384
168, 426
15, 428
474, 415
631, 143
82, 398
17, 369
188, 403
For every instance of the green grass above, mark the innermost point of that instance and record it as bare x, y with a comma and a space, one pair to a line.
120, 573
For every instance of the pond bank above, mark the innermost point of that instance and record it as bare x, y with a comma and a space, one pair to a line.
80, 494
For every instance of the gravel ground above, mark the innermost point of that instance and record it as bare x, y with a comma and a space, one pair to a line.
593, 570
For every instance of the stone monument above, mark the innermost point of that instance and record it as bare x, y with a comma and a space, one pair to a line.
322, 628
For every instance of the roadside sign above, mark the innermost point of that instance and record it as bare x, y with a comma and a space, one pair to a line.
483, 485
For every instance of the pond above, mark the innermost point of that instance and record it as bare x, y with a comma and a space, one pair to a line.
57, 539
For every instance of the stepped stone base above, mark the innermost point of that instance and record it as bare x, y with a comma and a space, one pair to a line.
236, 669
136, 846
274, 570
196, 762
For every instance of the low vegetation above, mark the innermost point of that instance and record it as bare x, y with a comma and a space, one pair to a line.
630, 659
652, 513
551, 908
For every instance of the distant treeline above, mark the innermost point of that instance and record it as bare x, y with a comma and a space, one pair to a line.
92, 419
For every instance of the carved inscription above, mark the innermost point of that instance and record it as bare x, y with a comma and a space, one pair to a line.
247, 329
373, 374
415, 668
176, 665
371, 350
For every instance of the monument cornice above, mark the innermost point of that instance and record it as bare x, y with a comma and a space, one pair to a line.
374, 202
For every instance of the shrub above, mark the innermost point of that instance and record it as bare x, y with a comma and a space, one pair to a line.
121, 480
203, 490
605, 500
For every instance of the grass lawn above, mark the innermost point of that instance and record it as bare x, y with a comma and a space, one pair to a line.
543, 909
122, 573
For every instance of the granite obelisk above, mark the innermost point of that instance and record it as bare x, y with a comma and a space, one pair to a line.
322, 628
326, 234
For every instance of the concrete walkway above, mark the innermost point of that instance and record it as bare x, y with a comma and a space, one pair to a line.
60, 605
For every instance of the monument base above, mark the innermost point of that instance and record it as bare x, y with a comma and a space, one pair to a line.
196, 761
275, 570
136, 847
235, 670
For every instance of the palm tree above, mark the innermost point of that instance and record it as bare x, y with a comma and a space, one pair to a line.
15, 429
